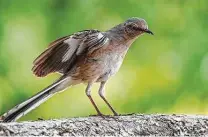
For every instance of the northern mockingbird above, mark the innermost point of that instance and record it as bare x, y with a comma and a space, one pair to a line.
87, 56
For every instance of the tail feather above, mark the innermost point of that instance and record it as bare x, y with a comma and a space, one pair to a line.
33, 102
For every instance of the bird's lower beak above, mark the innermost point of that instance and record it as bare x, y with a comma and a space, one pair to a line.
149, 32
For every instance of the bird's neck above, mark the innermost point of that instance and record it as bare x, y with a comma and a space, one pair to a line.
118, 34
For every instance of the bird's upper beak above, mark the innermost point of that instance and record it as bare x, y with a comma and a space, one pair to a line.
149, 32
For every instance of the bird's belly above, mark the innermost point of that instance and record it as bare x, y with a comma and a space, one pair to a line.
97, 69
111, 65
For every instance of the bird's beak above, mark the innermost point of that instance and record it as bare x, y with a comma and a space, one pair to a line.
149, 32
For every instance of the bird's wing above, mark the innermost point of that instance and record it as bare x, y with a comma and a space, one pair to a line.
62, 53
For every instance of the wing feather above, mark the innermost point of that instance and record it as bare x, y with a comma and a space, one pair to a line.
61, 54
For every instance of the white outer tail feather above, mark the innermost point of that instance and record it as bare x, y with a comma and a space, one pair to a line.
39, 98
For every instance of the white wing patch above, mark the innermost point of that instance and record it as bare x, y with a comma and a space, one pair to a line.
100, 35
79, 45
89, 43
73, 44
106, 40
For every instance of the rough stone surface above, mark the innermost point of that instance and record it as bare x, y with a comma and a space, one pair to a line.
126, 125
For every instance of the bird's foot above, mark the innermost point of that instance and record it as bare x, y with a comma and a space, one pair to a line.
115, 113
104, 116
98, 114
40, 119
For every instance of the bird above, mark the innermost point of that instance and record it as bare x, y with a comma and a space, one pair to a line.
87, 56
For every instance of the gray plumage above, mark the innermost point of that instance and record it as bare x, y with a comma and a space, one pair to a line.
84, 57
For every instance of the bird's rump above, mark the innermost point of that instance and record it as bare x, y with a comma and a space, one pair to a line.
62, 53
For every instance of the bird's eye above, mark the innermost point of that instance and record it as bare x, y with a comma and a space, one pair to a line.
132, 26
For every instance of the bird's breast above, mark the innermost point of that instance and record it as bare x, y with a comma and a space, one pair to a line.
110, 64
100, 65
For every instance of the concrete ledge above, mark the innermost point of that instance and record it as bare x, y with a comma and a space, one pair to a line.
125, 125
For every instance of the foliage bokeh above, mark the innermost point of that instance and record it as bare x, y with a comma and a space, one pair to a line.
164, 73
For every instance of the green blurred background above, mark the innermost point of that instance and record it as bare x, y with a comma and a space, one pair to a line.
164, 73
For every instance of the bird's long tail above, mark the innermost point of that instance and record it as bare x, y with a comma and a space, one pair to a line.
33, 102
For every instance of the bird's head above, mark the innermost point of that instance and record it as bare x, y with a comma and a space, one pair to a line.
134, 27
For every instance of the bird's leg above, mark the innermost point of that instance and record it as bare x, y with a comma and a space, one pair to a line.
101, 93
88, 93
